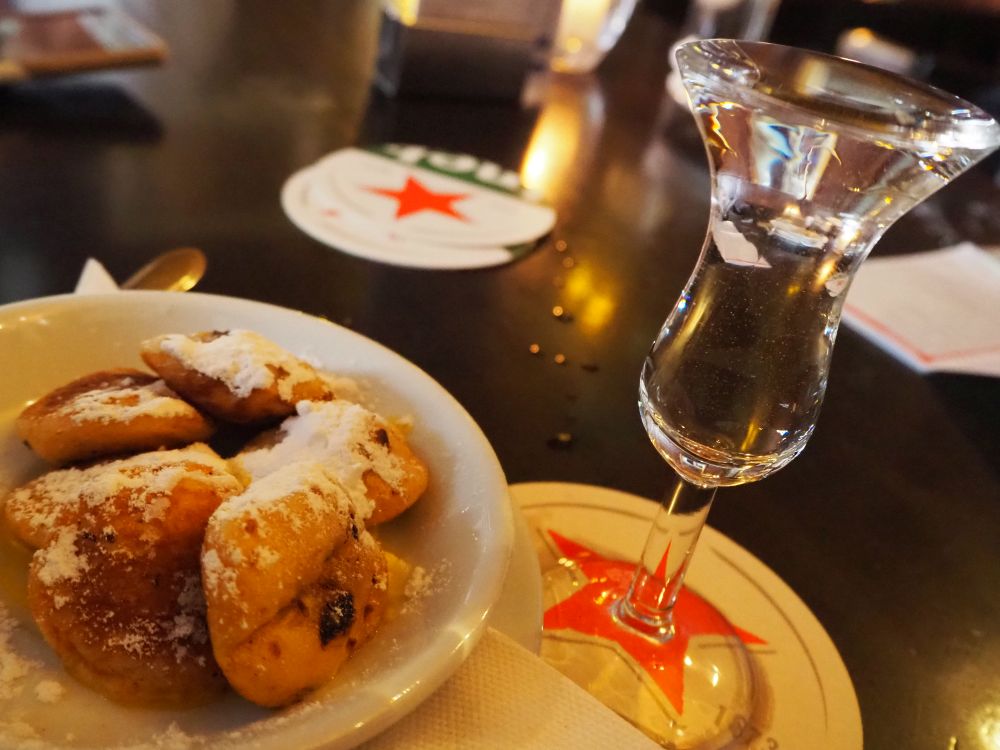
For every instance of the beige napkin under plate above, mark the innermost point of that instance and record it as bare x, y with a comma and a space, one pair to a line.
503, 697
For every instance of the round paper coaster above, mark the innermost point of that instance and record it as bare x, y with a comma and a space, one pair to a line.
431, 196
810, 700
411, 206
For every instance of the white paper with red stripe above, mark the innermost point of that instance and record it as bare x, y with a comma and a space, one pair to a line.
935, 311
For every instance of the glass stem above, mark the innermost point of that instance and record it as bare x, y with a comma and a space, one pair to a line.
648, 606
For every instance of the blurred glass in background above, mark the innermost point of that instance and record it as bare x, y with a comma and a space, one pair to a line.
488, 48
731, 19
463, 48
587, 31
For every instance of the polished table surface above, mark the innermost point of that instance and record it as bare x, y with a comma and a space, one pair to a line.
887, 526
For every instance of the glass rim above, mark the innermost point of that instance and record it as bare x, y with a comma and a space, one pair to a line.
953, 122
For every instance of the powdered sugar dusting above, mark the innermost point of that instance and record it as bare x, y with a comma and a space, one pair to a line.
61, 561
22, 731
422, 584
418, 583
23, 736
242, 360
124, 401
342, 435
267, 556
346, 389
13, 666
145, 481
49, 691
307, 477
173, 738
216, 576
267, 502
136, 638
190, 598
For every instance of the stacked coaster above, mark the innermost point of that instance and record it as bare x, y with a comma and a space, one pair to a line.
798, 694
413, 206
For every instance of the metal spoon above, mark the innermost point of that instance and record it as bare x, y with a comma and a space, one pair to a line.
175, 271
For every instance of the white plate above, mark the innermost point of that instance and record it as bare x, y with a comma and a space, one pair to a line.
806, 698
461, 532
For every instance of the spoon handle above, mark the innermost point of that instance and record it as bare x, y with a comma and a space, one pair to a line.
176, 270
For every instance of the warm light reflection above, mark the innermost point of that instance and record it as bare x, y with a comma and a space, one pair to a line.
581, 23
826, 269
818, 161
563, 139
989, 727
754, 428
594, 309
716, 127
536, 164
557, 167
692, 322
811, 75
406, 10
596, 313
552, 151
579, 285
859, 37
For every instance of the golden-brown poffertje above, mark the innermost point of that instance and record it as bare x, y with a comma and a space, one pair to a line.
238, 376
368, 456
116, 587
109, 412
293, 582
151, 494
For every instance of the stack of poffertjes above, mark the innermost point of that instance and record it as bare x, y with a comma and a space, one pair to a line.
163, 572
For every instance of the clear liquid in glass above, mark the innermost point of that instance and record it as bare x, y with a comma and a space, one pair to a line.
732, 387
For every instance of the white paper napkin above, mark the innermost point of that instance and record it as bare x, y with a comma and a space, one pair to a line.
935, 311
94, 279
502, 697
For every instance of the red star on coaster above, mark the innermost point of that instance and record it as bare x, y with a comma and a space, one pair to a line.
589, 611
414, 197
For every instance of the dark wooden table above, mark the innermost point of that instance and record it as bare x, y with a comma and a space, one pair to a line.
888, 525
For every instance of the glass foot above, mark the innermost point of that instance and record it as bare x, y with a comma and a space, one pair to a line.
694, 689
